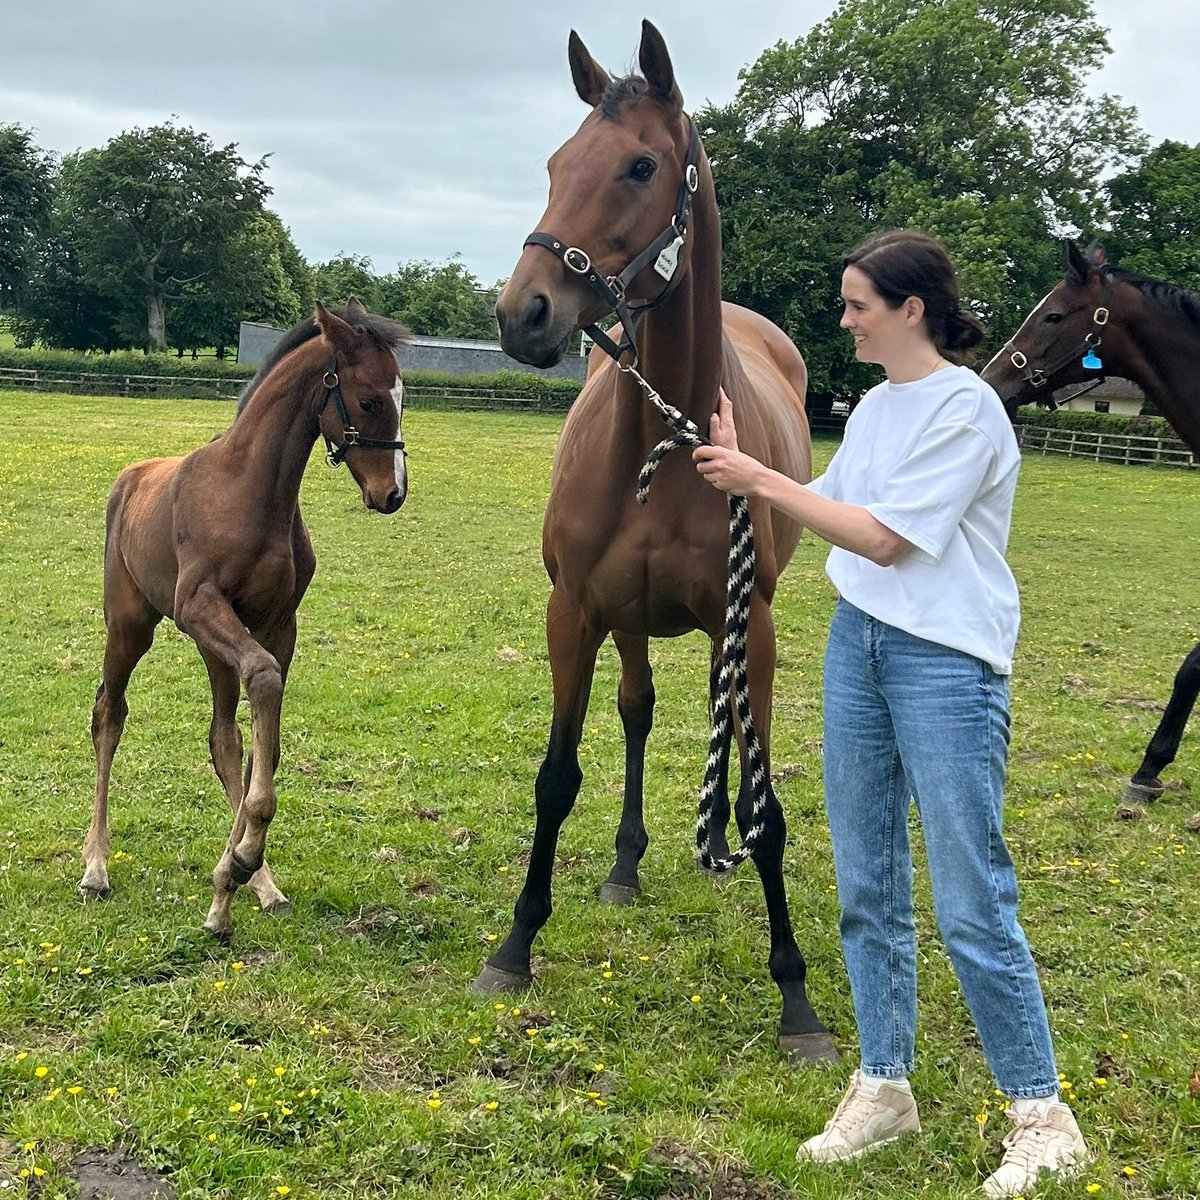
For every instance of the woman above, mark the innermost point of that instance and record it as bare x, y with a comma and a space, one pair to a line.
916, 504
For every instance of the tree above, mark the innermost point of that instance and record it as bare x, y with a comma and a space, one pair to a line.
156, 211
967, 118
25, 189
1155, 207
340, 278
440, 301
258, 276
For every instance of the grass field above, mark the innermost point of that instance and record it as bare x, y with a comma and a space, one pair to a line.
339, 1052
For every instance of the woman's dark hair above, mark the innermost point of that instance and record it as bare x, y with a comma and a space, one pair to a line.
906, 262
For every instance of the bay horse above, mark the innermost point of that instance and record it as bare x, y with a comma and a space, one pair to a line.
634, 176
1143, 330
215, 541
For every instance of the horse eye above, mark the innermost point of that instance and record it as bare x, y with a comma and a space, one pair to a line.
370, 407
1053, 318
643, 169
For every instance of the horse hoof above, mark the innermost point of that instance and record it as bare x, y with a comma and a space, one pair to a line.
618, 893
220, 933
280, 907
90, 892
1142, 793
492, 979
808, 1047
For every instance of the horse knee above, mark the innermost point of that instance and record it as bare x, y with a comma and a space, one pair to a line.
637, 712
264, 682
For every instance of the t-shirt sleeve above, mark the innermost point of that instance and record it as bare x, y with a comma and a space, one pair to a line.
815, 484
927, 494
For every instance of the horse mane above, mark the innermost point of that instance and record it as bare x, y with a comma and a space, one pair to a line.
384, 330
1180, 302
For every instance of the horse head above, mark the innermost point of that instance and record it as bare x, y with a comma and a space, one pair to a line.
361, 409
614, 229
1050, 349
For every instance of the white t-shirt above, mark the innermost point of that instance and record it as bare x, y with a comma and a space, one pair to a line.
936, 461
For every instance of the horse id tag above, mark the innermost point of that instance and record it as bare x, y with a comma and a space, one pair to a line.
1091, 360
668, 260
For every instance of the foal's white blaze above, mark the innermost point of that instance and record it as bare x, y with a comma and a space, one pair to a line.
1037, 309
397, 394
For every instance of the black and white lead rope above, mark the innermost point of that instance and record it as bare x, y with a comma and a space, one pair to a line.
732, 679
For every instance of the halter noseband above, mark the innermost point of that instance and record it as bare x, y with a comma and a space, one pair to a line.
334, 453
663, 252
1038, 377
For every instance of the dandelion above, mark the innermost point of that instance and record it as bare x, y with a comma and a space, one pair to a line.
212, 1137
74, 1091
531, 1031
110, 1091
236, 1107
491, 937
239, 966
84, 971
597, 1067
251, 1081
434, 1103
279, 1072
24, 1054
1129, 1172
696, 998
499, 1007
41, 1072
516, 1012
643, 958
219, 985
606, 974
492, 1105
474, 1041
1093, 1187
29, 1146
283, 1190
1100, 1081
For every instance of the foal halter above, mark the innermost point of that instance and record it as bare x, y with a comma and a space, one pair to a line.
335, 454
1038, 377
663, 252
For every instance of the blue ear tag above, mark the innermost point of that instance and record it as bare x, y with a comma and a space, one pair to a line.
1091, 360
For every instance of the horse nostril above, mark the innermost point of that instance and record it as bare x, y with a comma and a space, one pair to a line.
393, 500
539, 312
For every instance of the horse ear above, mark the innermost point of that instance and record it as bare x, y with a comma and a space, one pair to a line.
1077, 268
354, 309
656, 67
590, 77
337, 333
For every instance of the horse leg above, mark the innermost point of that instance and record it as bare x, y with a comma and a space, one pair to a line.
206, 615
130, 625
225, 747
719, 819
573, 644
801, 1032
1164, 745
635, 703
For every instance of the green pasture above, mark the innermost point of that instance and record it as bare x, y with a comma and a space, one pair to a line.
339, 1051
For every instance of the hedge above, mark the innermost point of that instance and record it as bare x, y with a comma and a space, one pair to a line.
1094, 422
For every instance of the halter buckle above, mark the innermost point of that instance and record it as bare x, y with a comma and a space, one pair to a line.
576, 260
1037, 379
1018, 360
691, 177
1100, 316
349, 436
330, 379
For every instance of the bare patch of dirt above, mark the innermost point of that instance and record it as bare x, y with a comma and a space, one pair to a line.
1192, 824
787, 771
508, 654
372, 922
691, 1174
115, 1175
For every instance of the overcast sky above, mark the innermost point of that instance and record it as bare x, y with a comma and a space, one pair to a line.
403, 134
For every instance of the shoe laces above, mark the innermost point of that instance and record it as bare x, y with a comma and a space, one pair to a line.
855, 1110
1024, 1144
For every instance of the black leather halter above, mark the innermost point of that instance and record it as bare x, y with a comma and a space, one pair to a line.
335, 453
663, 252
1038, 377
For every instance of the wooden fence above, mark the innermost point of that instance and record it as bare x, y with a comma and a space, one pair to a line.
1127, 449
111, 384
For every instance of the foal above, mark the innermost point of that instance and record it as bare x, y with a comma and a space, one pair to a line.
215, 541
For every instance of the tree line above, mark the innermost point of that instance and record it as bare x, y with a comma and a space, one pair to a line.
161, 239
970, 119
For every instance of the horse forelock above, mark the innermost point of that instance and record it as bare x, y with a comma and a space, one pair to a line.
617, 91
385, 332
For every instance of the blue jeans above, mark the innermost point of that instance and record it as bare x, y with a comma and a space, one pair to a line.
908, 717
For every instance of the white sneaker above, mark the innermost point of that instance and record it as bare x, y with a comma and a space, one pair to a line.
872, 1113
1046, 1138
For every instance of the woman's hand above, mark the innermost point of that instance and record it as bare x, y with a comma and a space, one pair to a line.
721, 428
722, 464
